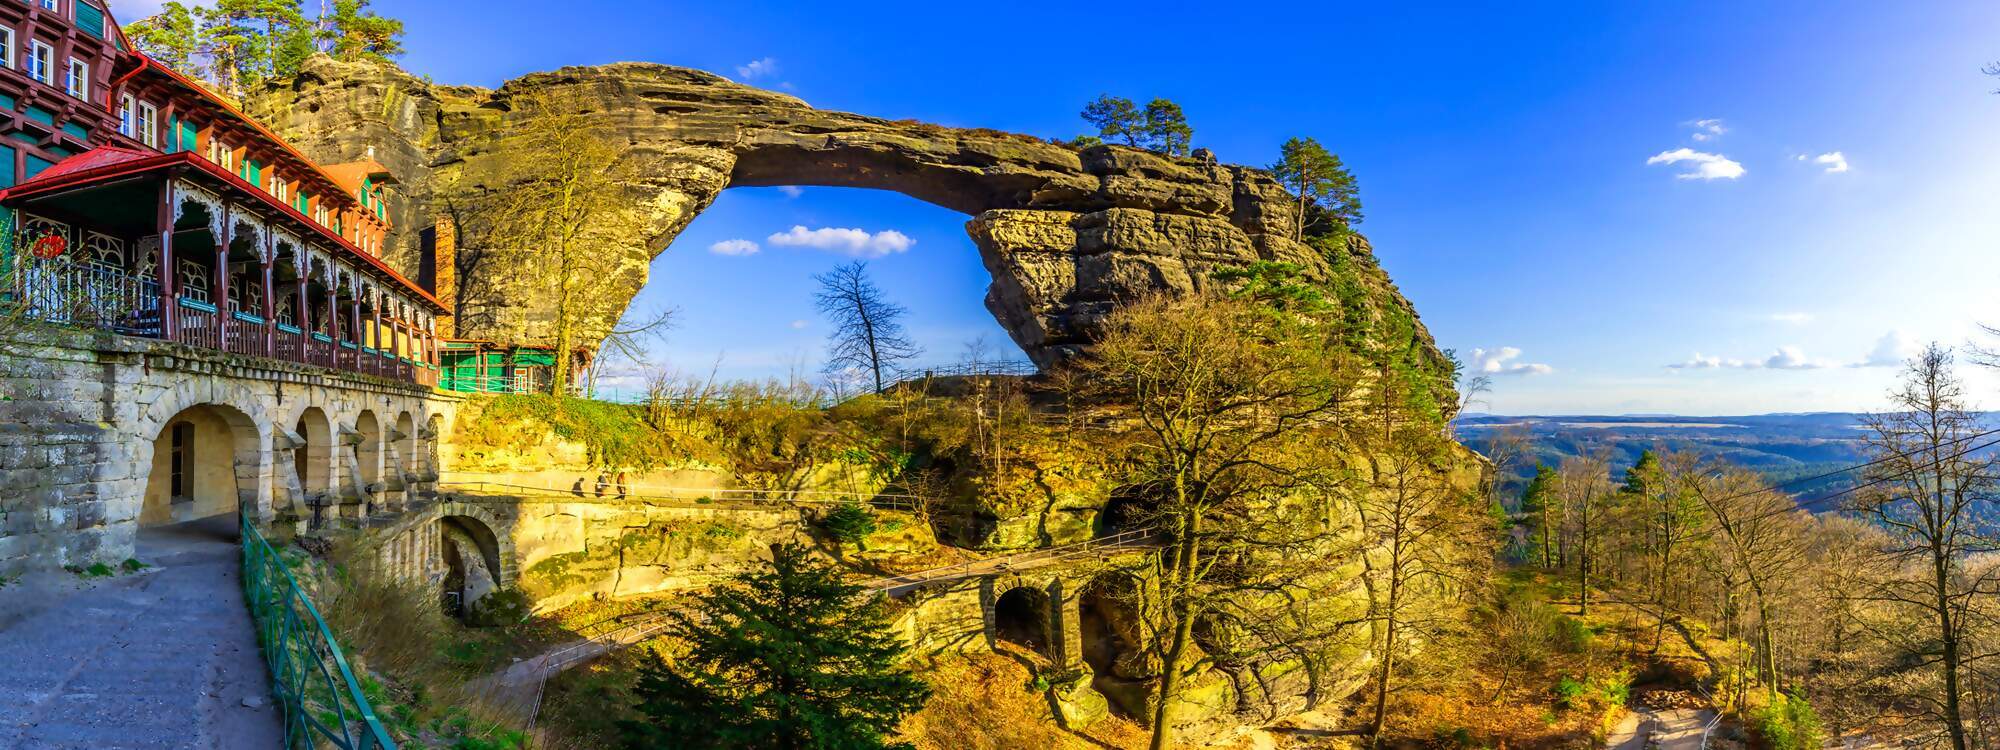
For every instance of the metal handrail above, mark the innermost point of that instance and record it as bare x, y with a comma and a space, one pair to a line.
310, 677
983, 566
796, 497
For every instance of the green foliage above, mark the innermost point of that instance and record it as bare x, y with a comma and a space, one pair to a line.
1593, 691
1161, 126
849, 524
1573, 636
789, 656
238, 44
1279, 285
1329, 199
132, 565
617, 436
1788, 722
94, 570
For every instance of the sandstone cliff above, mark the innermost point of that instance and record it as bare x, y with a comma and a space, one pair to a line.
1066, 233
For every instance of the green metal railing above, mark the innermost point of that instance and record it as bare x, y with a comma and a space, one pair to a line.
322, 704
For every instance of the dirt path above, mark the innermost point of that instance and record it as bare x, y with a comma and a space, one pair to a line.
1668, 729
161, 659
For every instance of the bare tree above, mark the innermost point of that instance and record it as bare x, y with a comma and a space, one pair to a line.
1229, 409
1922, 489
867, 328
1584, 485
561, 210
1763, 537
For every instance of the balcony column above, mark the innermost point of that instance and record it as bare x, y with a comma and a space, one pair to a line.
375, 330
354, 326
301, 310
270, 311
222, 314
164, 224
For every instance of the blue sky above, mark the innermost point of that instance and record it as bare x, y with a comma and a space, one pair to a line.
1697, 207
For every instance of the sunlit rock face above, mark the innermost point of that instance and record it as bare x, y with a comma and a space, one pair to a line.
1066, 233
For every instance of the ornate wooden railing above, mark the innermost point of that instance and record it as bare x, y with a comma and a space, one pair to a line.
70, 291
321, 703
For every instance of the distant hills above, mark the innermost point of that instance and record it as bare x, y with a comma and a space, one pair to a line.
1784, 447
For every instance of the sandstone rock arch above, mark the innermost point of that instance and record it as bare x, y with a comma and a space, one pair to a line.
1066, 233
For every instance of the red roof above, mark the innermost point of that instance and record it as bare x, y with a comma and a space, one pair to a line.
106, 163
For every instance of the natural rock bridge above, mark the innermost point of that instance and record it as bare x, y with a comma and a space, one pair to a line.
1066, 233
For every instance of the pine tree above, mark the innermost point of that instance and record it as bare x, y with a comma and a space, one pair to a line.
174, 36
1161, 126
786, 658
1326, 190
1535, 504
358, 33
1167, 130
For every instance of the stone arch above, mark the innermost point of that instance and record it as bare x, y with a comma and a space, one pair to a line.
471, 558
407, 445
314, 460
205, 460
368, 451
503, 544
1025, 616
250, 432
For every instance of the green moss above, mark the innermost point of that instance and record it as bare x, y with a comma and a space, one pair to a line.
616, 435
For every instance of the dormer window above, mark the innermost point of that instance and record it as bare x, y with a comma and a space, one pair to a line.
42, 62
78, 81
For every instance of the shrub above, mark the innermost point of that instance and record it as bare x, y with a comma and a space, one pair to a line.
1788, 722
503, 607
849, 524
1572, 635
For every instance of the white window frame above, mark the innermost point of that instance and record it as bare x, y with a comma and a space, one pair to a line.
148, 125
42, 62
76, 79
128, 115
51, 5
280, 189
7, 46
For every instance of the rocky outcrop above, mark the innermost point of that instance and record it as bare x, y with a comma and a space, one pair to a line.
1067, 233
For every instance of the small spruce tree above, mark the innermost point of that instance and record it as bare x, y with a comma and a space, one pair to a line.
788, 657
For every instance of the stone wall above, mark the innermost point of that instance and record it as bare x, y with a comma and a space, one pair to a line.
82, 411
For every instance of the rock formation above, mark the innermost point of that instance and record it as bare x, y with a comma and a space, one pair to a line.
1067, 233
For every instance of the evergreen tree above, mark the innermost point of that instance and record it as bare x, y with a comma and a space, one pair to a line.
1166, 128
1161, 126
1536, 502
786, 658
360, 34
1115, 118
1644, 474
174, 36
1326, 190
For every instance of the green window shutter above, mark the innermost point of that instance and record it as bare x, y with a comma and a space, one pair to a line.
7, 180
90, 19
189, 137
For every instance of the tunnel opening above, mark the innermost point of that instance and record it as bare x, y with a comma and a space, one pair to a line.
471, 556
1130, 508
1022, 617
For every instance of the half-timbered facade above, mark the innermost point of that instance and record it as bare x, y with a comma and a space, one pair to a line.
141, 202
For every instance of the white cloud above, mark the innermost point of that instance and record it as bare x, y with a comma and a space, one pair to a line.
856, 242
1704, 166
1792, 358
1891, 350
1501, 362
734, 247
1707, 129
1835, 161
791, 191
1785, 358
758, 68
1794, 318
798, 325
